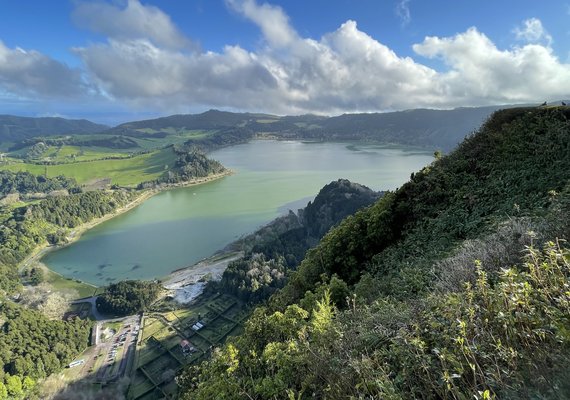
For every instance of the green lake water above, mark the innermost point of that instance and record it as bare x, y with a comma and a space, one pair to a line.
179, 227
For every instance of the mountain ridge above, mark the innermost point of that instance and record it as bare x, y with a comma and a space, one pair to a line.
16, 128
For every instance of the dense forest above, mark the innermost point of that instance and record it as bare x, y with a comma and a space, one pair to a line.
33, 347
191, 163
128, 297
277, 248
453, 286
24, 228
24, 183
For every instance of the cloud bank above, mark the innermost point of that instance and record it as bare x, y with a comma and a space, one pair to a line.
146, 62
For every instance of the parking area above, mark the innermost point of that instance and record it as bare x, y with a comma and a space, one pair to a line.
116, 352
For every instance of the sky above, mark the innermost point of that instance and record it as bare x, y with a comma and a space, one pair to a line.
120, 60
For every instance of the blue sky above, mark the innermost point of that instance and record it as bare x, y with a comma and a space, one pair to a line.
117, 60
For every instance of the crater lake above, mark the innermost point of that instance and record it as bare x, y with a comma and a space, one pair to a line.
179, 227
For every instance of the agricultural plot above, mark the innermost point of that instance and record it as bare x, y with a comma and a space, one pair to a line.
175, 339
140, 385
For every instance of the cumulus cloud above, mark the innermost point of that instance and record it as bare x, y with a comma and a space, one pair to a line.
403, 11
480, 73
31, 73
140, 72
532, 31
346, 70
134, 21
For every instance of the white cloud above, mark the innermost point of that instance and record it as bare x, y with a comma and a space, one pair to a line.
403, 11
532, 31
480, 73
134, 21
31, 73
272, 21
344, 71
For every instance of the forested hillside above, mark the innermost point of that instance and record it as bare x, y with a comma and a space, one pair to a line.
191, 163
24, 228
32, 346
277, 248
24, 183
14, 128
393, 303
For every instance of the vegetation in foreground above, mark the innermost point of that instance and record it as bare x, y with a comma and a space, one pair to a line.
390, 304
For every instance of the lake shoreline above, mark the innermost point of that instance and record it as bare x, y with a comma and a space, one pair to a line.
75, 234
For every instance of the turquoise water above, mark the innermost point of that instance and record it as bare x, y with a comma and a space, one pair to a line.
179, 227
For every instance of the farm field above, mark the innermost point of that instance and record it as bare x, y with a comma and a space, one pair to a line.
124, 172
170, 341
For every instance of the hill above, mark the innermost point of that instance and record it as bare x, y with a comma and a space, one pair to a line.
14, 128
277, 248
442, 129
392, 303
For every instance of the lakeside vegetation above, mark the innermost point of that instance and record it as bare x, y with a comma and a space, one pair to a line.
391, 297
42, 219
276, 249
128, 297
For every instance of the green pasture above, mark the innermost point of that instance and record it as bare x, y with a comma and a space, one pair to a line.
124, 172
62, 284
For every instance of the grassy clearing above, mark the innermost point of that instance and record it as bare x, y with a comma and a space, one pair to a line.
62, 284
125, 172
175, 137
71, 153
114, 326
151, 327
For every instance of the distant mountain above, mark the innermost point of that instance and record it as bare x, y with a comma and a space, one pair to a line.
437, 129
209, 120
14, 128
441, 129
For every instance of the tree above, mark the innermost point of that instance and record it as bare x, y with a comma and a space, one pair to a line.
14, 386
36, 276
3, 391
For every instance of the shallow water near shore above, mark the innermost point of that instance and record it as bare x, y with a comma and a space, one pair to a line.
179, 227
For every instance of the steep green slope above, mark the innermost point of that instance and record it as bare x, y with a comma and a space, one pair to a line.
278, 247
402, 333
508, 168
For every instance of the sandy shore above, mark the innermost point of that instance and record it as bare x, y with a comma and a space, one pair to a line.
187, 283
215, 266
76, 233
